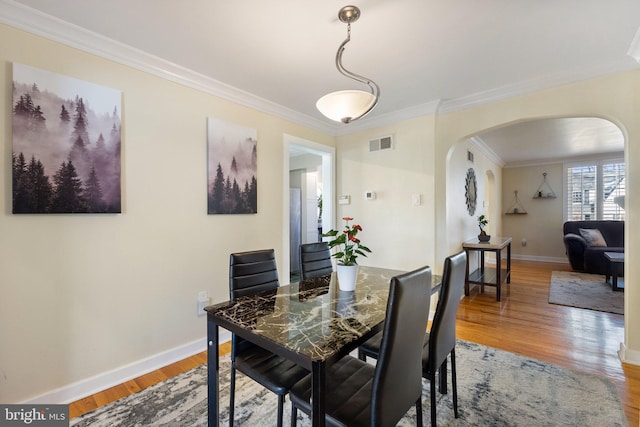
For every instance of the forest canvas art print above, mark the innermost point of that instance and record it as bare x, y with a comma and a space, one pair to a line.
66, 144
232, 167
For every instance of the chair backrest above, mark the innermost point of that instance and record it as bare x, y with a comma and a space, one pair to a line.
252, 272
442, 336
315, 260
249, 273
397, 383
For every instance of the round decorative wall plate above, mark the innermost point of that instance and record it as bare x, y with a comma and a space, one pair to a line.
471, 191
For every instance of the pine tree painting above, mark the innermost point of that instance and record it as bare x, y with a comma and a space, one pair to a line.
232, 168
66, 144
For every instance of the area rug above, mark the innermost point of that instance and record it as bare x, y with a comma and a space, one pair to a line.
495, 388
584, 290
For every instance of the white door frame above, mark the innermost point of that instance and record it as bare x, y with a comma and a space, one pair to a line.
328, 155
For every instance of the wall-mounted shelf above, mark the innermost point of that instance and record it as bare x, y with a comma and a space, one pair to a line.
516, 207
544, 191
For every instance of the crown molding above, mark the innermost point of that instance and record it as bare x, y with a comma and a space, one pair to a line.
480, 145
563, 160
35, 22
385, 119
534, 85
634, 47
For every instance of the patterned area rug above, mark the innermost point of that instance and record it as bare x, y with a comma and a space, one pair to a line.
584, 290
495, 388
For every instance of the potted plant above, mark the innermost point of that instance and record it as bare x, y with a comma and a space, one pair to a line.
482, 223
349, 247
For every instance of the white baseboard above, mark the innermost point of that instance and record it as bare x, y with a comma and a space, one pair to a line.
539, 258
629, 356
492, 260
78, 390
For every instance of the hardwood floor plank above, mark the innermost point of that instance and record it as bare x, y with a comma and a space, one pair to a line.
523, 323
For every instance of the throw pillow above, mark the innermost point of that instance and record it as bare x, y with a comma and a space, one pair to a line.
593, 236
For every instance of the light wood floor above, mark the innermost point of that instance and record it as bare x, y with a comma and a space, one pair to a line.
523, 323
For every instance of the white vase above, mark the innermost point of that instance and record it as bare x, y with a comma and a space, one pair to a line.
347, 277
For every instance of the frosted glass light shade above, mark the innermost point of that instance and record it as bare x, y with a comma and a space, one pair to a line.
345, 105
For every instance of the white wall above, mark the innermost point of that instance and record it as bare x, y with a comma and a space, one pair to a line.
461, 225
83, 295
542, 225
399, 234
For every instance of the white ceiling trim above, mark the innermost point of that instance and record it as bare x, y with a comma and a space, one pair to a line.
534, 85
389, 118
38, 23
478, 143
634, 47
555, 160
35, 22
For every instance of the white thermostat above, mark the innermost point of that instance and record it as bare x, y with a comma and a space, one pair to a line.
370, 195
344, 200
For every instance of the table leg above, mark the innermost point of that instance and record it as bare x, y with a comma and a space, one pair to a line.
615, 268
482, 272
509, 263
213, 373
318, 388
466, 275
498, 273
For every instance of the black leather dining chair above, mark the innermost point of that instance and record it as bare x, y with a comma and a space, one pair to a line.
361, 394
441, 339
315, 260
250, 273
442, 335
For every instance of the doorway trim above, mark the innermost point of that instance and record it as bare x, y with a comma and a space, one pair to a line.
328, 154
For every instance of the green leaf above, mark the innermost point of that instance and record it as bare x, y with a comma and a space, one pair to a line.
364, 248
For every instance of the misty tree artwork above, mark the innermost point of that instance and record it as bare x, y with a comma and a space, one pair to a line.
66, 144
232, 163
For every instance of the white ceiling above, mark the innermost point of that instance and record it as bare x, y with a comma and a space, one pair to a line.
426, 55
552, 140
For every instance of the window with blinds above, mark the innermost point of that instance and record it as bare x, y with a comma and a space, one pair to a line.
594, 190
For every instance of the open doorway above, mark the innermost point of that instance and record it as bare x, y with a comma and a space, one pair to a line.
309, 194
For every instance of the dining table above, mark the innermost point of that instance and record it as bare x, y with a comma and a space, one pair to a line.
312, 323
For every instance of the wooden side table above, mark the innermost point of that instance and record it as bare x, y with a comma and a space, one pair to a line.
485, 276
616, 264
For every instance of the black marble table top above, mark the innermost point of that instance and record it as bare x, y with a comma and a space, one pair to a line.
311, 319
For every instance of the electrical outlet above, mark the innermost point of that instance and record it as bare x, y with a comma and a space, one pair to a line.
203, 301
201, 306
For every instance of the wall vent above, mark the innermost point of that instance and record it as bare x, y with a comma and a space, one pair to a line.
382, 143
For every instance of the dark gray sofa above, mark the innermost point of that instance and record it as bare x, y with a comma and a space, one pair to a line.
590, 259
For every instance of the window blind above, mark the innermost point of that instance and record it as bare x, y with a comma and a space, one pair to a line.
594, 190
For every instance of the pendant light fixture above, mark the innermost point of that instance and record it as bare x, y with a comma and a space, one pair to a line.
348, 105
